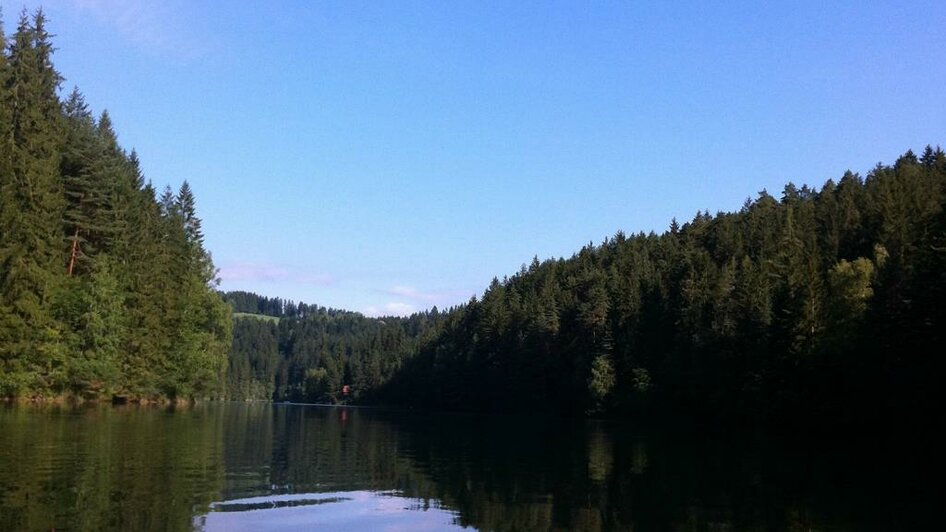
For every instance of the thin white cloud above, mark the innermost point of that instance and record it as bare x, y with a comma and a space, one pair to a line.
262, 272
394, 308
410, 300
164, 27
438, 297
413, 293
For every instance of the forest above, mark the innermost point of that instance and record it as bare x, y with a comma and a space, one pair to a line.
821, 303
106, 290
824, 302
305, 353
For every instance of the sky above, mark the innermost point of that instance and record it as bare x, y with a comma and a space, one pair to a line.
385, 157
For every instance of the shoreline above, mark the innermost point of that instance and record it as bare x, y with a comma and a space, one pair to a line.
74, 400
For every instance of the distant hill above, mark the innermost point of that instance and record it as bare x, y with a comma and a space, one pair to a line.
238, 315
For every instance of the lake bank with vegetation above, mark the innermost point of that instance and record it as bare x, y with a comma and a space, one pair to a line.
106, 290
816, 305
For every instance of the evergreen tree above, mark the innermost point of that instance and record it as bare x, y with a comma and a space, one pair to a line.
105, 290
31, 258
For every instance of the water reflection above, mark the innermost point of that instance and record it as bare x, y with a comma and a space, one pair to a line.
233, 466
351, 510
105, 468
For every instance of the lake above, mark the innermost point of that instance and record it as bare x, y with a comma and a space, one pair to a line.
260, 466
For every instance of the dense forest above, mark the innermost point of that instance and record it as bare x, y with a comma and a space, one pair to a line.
827, 302
818, 302
815, 302
297, 352
823, 302
105, 287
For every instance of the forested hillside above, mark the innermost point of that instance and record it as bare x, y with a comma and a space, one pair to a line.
828, 302
309, 353
105, 287
824, 302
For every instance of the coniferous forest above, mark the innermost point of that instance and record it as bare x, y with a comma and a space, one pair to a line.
297, 352
105, 288
827, 301
824, 303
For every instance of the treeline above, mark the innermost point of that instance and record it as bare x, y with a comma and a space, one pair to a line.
827, 303
311, 352
250, 303
105, 287
818, 302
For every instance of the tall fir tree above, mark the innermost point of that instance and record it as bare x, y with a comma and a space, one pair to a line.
104, 290
31, 258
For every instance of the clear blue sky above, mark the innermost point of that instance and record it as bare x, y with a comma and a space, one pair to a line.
387, 156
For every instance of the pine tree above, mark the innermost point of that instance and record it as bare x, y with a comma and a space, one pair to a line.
6, 147
32, 261
188, 209
82, 195
103, 289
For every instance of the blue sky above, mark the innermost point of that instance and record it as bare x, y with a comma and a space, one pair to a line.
388, 156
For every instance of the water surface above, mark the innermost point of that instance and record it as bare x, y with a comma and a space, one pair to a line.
232, 466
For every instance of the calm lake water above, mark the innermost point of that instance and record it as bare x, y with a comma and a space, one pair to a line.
235, 466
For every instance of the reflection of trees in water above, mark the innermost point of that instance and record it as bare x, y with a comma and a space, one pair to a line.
101, 468
532, 474
638, 458
600, 456
141, 468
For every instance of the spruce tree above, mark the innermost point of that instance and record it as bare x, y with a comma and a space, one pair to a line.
103, 289
32, 262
